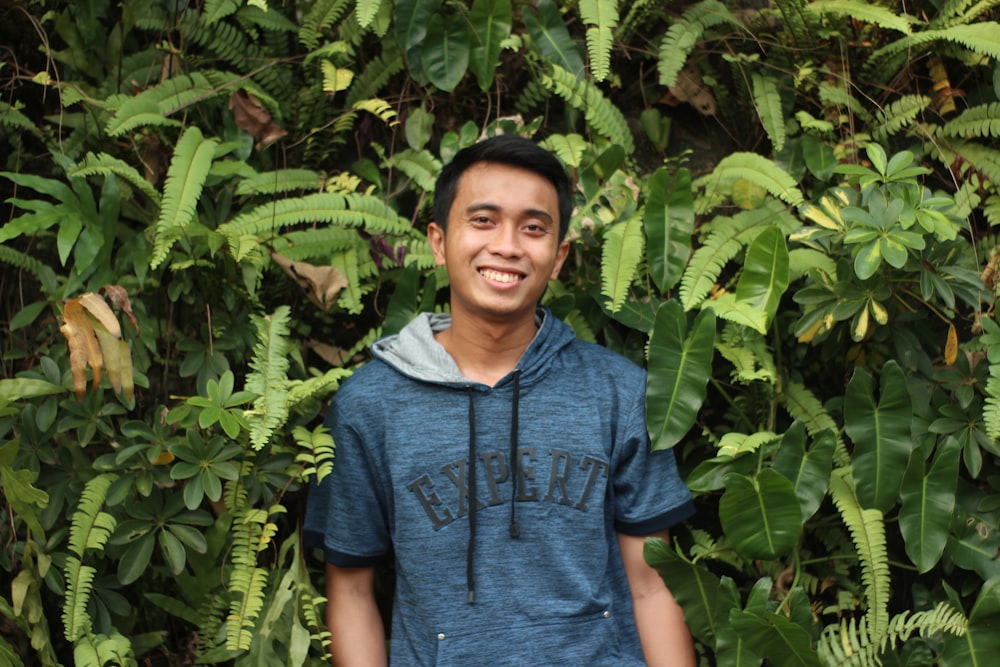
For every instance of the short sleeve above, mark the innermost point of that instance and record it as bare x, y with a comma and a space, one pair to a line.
346, 513
650, 495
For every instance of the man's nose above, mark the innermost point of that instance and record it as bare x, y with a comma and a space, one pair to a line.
506, 240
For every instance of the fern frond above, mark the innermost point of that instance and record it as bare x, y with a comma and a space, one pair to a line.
970, 155
79, 586
269, 378
755, 169
898, 115
316, 451
154, 105
376, 74
366, 11
801, 24
838, 96
108, 165
801, 403
356, 264
91, 527
881, 16
185, 179
282, 180
975, 122
321, 16
271, 20
216, 10
253, 531
982, 38
22, 261
420, 166
378, 107
767, 100
232, 45
11, 116
315, 243
621, 252
316, 387
602, 115
991, 210
600, 17
850, 643
954, 12
868, 534
635, 15
726, 238
685, 33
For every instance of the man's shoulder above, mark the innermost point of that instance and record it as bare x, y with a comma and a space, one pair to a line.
372, 377
599, 357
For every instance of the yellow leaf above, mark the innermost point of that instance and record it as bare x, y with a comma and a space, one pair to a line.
951, 345
84, 348
118, 363
879, 312
99, 308
859, 327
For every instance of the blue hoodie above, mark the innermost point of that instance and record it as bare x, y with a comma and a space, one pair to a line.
534, 575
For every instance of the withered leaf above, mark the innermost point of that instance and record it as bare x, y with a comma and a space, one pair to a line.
99, 308
951, 345
118, 297
254, 119
331, 354
321, 283
118, 364
691, 89
84, 348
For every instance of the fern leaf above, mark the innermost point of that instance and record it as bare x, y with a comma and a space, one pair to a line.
260, 16
685, 33
982, 38
801, 403
354, 265
11, 116
282, 180
153, 106
185, 179
378, 107
91, 527
756, 169
79, 586
376, 74
602, 115
838, 96
600, 17
954, 12
991, 410
978, 121
621, 253
23, 262
767, 100
107, 165
420, 166
801, 24
868, 534
898, 115
367, 10
269, 378
315, 243
253, 531
863, 11
316, 387
321, 16
970, 155
991, 210
316, 451
216, 10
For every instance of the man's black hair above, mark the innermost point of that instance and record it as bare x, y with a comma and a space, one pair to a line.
511, 150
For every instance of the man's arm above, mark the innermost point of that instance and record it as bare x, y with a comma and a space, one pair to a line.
665, 638
352, 617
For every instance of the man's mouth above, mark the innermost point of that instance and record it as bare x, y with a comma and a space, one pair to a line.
500, 276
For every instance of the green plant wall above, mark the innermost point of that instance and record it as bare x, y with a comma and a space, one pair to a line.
784, 211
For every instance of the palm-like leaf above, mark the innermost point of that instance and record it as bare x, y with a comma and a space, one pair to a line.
621, 253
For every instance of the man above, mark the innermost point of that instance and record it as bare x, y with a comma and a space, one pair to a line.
503, 464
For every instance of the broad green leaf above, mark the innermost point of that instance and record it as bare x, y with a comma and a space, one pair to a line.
136, 559
764, 278
695, 588
411, 19
777, 639
928, 502
973, 546
981, 643
680, 364
760, 515
809, 471
491, 22
17, 389
445, 53
880, 429
668, 220
548, 31
69, 230
818, 156
621, 253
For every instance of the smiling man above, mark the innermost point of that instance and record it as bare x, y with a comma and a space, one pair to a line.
500, 463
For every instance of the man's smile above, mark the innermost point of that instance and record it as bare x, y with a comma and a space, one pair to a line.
500, 276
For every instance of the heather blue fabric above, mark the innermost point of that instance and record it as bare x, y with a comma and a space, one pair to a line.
557, 595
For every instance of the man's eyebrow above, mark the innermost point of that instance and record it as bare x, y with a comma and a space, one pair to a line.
529, 212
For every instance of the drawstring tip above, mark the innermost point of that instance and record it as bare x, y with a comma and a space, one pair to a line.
514, 531
472, 597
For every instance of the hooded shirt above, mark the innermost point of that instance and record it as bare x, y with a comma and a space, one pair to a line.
499, 505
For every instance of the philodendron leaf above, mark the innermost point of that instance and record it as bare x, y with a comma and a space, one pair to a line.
762, 283
981, 642
760, 515
809, 471
491, 22
776, 638
668, 220
928, 502
445, 53
695, 588
880, 429
680, 364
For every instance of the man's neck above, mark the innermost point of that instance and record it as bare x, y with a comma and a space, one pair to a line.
487, 351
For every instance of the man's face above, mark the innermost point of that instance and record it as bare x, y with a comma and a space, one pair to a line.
502, 242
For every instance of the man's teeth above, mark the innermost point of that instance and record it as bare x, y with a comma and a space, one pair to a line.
500, 276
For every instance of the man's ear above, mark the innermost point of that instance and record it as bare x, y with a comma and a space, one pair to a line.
435, 236
562, 252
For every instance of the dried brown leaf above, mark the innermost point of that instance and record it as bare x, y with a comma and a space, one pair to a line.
691, 89
331, 354
951, 345
118, 297
99, 308
84, 348
254, 118
321, 283
118, 364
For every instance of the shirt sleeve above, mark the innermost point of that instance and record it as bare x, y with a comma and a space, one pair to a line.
650, 495
346, 513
